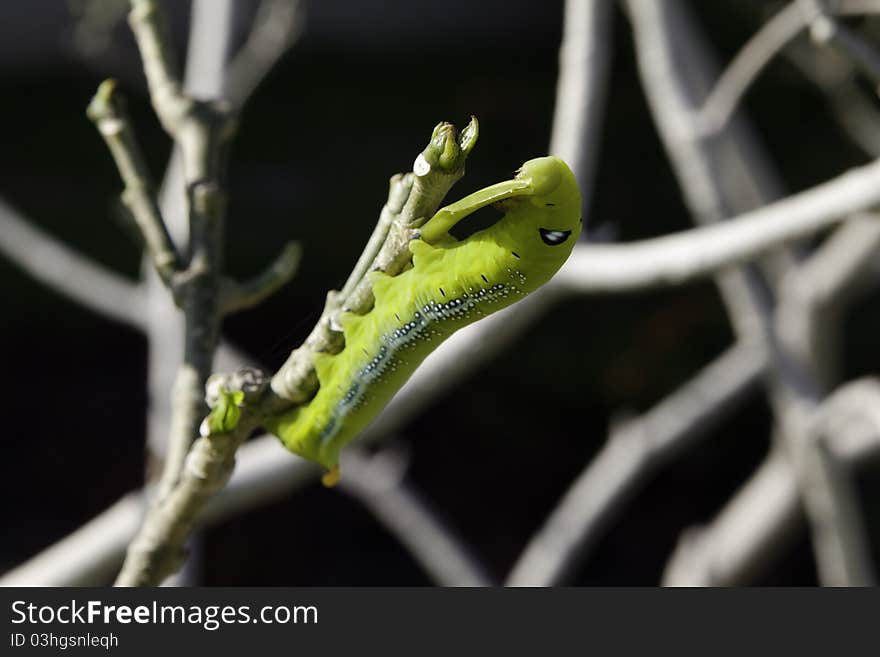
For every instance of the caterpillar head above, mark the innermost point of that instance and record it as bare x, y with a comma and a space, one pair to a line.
552, 204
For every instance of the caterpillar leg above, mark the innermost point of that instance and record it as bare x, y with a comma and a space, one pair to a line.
331, 477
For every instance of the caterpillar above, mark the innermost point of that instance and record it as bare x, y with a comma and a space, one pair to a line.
451, 283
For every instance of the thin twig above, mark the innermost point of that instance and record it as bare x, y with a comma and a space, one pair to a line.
235, 296
740, 74
436, 169
160, 65
108, 113
399, 188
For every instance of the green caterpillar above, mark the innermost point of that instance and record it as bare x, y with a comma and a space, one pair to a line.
451, 283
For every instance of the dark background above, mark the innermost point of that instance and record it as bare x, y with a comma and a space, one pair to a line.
352, 103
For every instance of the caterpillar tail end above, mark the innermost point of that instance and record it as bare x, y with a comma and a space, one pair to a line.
331, 477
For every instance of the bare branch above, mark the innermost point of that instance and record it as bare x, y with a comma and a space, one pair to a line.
663, 34
840, 540
230, 358
89, 556
826, 29
211, 33
732, 550
721, 176
555, 292
633, 452
160, 64
685, 256
608, 480
858, 117
808, 323
752, 58
436, 169
830, 498
202, 130
816, 294
167, 329
69, 273
599, 269
850, 104
581, 88
849, 421
377, 482
277, 26
399, 189
771, 39
157, 550
108, 113
764, 515
744, 538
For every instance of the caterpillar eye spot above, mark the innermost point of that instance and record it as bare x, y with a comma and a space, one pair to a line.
554, 237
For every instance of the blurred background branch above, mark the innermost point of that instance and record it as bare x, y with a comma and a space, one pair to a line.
788, 303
